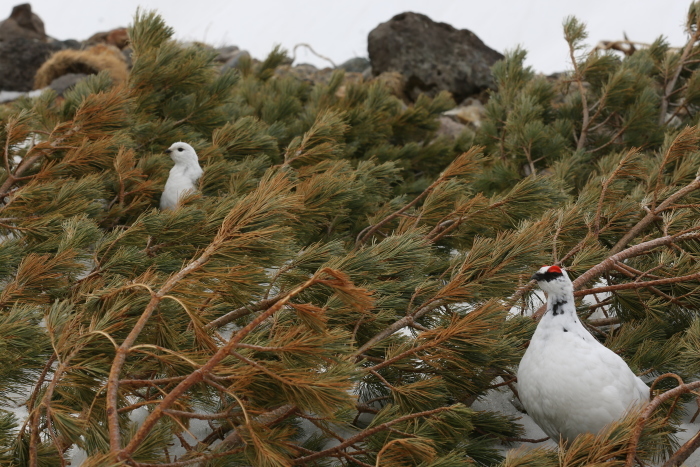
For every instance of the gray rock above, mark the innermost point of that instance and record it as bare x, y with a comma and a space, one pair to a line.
71, 44
127, 52
235, 59
226, 53
357, 65
20, 58
22, 23
65, 82
432, 56
449, 128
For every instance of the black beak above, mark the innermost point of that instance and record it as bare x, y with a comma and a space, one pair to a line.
536, 276
167, 151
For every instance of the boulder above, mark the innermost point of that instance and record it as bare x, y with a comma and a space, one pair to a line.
65, 82
224, 54
235, 59
22, 23
20, 58
449, 128
431, 56
90, 61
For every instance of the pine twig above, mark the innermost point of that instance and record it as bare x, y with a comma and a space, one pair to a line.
671, 84
242, 311
398, 324
267, 419
581, 142
449, 172
653, 215
636, 285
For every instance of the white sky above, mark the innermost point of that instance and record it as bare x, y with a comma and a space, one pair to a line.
339, 29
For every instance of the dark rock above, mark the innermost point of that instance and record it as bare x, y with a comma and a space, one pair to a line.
22, 23
65, 82
357, 65
431, 56
235, 60
19, 61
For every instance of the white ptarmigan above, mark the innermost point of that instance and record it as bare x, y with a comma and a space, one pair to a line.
183, 176
568, 382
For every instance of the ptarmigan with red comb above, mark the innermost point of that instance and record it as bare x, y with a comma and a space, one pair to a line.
569, 382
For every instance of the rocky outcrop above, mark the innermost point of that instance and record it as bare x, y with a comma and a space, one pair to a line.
22, 23
20, 58
431, 56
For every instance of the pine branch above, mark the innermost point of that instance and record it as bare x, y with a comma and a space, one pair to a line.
397, 325
242, 311
199, 374
684, 452
611, 261
648, 411
668, 90
465, 163
653, 215
636, 285
365, 433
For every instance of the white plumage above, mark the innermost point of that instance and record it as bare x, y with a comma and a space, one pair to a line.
569, 382
183, 176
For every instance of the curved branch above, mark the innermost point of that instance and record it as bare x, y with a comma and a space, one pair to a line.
646, 413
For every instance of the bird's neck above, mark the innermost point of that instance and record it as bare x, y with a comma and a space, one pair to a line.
561, 306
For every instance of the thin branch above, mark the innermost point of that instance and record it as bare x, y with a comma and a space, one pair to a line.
364, 235
242, 311
194, 460
652, 215
684, 452
364, 434
267, 419
612, 140
671, 84
611, 261
636, 285
398, 324
648, 411
584, 100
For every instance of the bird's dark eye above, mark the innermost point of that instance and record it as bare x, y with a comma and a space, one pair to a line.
180, 149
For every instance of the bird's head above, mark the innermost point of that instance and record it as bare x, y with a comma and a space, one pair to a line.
552, 279
182, 153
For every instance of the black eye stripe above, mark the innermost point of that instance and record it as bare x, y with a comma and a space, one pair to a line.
547, 276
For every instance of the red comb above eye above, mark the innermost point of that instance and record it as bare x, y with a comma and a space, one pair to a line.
554, 269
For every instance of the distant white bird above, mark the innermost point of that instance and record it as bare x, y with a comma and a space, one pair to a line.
183, 176
569, 382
